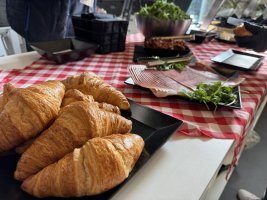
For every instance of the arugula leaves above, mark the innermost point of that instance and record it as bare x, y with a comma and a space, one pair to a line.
177, 66
216, 93
163, 10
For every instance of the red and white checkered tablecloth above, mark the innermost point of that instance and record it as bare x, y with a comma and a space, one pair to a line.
224, 123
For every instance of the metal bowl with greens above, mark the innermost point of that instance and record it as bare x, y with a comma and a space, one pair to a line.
161, 9
162, 19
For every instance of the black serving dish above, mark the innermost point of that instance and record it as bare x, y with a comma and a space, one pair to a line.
239, 60
202, 36
236, 90
141, 52
153, 126
65, 50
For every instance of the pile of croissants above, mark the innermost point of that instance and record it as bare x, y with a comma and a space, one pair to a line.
70, 134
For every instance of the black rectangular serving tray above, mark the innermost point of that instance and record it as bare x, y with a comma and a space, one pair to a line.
141, 52
239, 60
64, 50
202, 36
153, 126
237, 105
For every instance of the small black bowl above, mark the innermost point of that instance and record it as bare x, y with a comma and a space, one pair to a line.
65, 50
202, 36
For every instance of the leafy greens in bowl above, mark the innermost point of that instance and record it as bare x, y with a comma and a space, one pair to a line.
162, 19
163, 10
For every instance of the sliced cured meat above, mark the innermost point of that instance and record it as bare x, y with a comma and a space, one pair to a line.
155, 80
173, 82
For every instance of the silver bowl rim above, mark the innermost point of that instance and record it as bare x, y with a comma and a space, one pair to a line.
161, 20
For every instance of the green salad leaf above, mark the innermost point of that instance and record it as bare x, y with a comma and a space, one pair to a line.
216, 93
161, 9
177, 66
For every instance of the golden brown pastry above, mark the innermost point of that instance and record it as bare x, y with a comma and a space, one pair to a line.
24, 146
101, 164
91, 84
28, 112
76, 124
241, 31
1, 102
8, 88
71, 96
74, 95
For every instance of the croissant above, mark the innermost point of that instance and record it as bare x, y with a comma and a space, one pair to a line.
101, 164
241, 31
90, 83
76, 124
24, 146
8, 88
71, 96
1, 102
28, 112
74, 95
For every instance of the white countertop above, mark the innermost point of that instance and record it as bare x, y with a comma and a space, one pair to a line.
18, 61
183, 169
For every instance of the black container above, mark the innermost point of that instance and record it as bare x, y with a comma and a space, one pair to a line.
239, 60
65, 50
202, 37
109, 34
141, 52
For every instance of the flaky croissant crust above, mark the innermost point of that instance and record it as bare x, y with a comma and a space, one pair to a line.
8, 88
74, 95
76, 123
28, 112
91, 84
101, 164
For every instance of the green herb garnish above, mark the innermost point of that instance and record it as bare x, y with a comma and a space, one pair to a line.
177, 66
216, 93
161, 9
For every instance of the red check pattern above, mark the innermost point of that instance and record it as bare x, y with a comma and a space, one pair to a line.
224, 123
